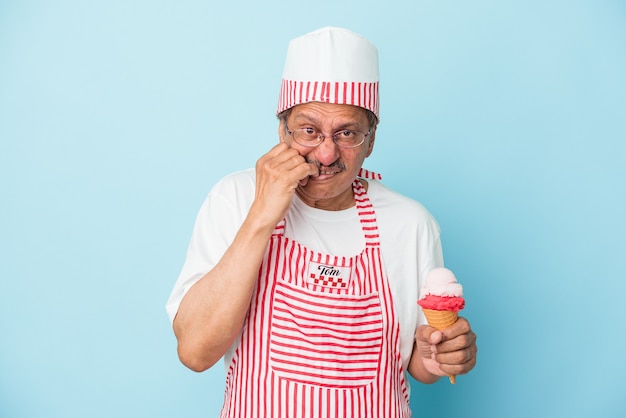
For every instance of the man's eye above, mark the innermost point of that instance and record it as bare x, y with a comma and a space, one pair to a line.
309, 131
345, 134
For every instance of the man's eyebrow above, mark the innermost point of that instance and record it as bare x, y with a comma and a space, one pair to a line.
315, 121
306, 118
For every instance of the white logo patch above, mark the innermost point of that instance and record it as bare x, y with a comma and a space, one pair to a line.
328, 276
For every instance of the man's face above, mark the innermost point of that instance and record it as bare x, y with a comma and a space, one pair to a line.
332, 189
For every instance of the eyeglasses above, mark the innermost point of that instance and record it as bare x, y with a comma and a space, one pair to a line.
311, 137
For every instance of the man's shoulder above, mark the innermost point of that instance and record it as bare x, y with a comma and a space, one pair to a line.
235, 190
385, 198
237, 181
398, 213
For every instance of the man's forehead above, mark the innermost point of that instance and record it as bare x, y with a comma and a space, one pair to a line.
319, 111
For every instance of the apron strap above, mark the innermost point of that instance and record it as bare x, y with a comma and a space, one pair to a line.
366, 174
367, 215
279, 229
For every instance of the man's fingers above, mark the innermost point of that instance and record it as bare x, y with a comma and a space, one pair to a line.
457, 339
284, 165
458, 362
456, 357
460, 327
429, 335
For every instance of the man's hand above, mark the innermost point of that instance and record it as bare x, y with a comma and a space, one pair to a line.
278, 174
448, 352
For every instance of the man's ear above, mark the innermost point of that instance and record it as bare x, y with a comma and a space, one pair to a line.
281, 130
370, 146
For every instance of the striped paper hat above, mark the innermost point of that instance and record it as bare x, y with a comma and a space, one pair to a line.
330, 65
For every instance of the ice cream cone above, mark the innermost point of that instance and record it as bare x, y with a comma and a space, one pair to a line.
441, 300
441, 320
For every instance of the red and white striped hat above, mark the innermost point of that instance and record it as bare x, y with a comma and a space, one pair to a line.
332, 65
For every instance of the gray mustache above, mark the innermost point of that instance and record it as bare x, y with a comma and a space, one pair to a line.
337, 164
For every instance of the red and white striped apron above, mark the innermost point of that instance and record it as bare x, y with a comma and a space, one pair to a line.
321, 338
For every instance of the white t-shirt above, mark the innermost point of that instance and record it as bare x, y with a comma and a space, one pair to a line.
409, 239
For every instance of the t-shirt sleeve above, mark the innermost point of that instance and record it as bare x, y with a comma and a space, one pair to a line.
216, 225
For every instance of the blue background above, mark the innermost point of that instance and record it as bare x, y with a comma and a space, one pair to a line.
506, 119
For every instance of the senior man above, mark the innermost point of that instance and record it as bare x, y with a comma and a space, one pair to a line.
303, 273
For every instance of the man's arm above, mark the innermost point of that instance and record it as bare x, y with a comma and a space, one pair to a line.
212, 312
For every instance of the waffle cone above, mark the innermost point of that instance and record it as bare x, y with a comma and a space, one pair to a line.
441, 320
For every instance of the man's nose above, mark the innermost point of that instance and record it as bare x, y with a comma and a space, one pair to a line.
327, 152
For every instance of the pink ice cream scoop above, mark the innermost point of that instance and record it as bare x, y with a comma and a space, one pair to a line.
441, 291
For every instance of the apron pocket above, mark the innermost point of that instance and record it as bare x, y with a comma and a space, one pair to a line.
325, 339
